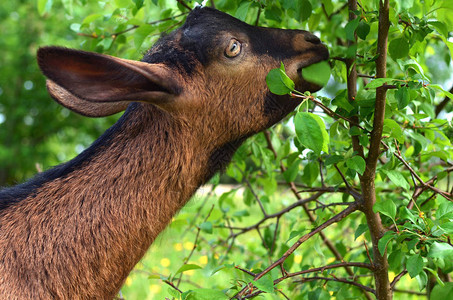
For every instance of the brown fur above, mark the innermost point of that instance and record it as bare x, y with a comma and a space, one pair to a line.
79, 235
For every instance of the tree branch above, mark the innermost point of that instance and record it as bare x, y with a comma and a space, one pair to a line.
322, 269
351, 82
361, 286
383, 290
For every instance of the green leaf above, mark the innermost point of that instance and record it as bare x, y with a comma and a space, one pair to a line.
123, 3
414, 265
445, 211
440, 27
438, 87
399, 48
241, 12
318, 73
355, 131
187, 267
441, 250
357, 163
394, 130
395, 259
350, 29
422, 280
138, 4
217, 269
328, 6
311, 173
333, 159
363, 29
397, 178
362, 228
295, 233
386, 207
447, 227
44, 6
385, 239
286, 80
174, 293
311, 132
342, 101
206, 294
407, 214
206, 227
442, 292
278, 82
304, 8
403, 97
141, 33
435, 274
291, 172
378, 82
265, 283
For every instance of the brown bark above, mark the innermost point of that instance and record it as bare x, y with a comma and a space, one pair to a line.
383, 289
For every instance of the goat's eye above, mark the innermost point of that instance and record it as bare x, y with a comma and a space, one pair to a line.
233, 49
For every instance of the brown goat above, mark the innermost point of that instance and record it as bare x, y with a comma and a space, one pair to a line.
77, 230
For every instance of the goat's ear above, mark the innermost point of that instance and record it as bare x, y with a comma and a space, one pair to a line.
84, 107
93, 77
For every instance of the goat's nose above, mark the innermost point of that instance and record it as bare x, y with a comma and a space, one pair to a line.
312, 38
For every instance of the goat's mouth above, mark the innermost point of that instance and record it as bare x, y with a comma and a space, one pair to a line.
317, 54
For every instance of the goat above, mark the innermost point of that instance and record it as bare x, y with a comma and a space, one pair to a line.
78, 229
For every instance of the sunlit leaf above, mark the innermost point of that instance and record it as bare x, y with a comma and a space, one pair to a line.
311, 132
187, 267
265, 283
386, 207
318, 73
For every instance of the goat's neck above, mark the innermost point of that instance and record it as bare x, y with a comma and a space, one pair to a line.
95, 224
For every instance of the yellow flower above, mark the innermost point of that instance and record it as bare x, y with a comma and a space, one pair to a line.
128, 281
203, 260
164, 262
188, 245
155, 288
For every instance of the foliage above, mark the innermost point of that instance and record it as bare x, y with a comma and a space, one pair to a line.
349, 197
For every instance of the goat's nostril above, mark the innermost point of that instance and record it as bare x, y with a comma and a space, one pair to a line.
312, 38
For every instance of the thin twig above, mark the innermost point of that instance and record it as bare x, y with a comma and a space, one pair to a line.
245, 271
184, 4
255, 196
397, 278
361, 286
173, 286
322, 269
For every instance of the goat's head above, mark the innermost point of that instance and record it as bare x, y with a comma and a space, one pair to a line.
210, 73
